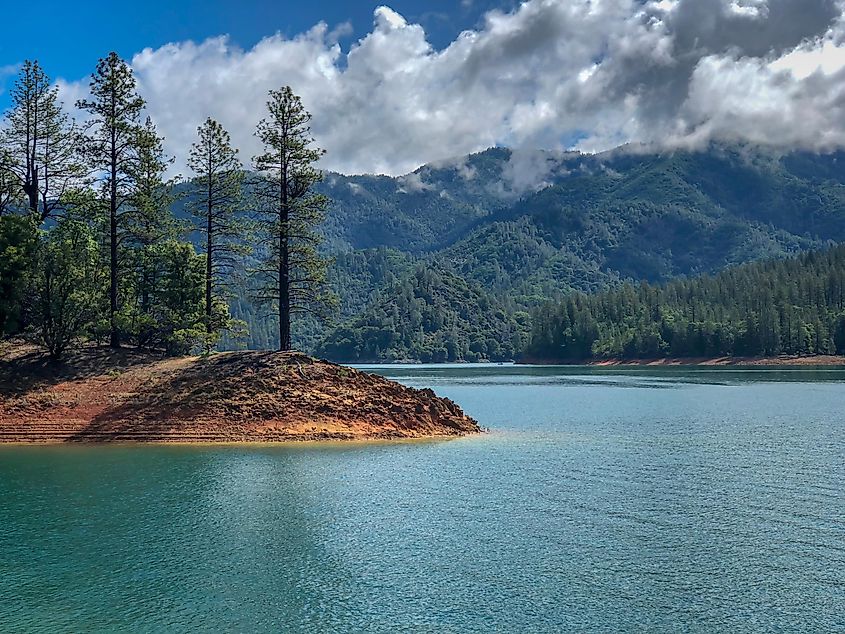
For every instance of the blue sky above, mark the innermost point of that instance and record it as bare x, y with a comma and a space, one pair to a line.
68, 37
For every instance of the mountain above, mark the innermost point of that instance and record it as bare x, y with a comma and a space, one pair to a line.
522, 226
416, 213
504, 217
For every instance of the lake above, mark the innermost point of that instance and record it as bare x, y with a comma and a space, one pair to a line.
601, 500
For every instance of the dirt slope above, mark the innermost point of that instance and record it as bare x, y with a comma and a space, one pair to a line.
99, 395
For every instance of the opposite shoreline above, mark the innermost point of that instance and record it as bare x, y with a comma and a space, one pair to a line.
816, 361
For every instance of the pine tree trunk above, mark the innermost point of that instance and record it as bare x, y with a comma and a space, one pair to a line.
31, 191
208, 270
114, 334
31, 185
284, 267
284, 298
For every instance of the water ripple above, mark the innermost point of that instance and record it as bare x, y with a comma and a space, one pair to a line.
704, 501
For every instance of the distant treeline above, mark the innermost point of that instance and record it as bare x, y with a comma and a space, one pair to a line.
794, 306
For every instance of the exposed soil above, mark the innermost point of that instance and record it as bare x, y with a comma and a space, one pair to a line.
103, 395
814, 360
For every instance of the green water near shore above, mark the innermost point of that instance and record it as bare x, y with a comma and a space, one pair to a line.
670, 499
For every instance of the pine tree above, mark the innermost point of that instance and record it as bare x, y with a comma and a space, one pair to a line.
147, 223
179, 298
66, 286
110, 147
148, 216
216, 201
18, 251
40, 142
293, 274
9, 188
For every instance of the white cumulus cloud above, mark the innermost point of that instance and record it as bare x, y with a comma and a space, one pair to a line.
554, 74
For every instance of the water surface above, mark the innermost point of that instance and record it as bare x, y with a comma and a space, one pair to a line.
602, 500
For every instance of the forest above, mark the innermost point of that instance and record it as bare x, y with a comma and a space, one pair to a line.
794, 306
432, 316
92, 251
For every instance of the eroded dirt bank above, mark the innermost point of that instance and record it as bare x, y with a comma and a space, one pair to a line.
100, 395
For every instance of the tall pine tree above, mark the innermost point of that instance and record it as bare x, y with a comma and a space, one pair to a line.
148, 223
216, 201
116, 108
40, 142
293, 274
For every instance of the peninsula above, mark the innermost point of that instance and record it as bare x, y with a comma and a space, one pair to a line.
104, 395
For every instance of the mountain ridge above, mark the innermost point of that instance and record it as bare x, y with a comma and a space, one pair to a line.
527, 225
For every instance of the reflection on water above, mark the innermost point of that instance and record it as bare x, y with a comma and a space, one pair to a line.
482, 373
703, 500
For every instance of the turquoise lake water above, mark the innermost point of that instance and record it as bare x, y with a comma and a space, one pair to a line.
643, 500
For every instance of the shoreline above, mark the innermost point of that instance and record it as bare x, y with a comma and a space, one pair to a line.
358, 441
817, 361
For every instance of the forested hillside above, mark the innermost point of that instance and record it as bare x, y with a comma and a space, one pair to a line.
430, 316
653, 217
639, 215
794, 306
